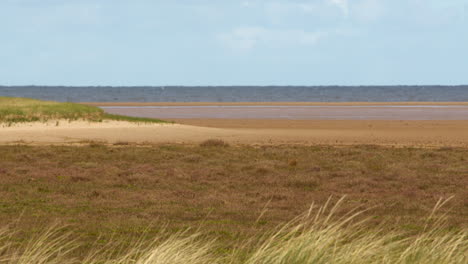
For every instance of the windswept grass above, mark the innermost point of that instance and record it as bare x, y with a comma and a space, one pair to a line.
321, 238
311, 238
14, 110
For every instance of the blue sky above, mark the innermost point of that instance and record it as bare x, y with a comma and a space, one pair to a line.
231, 42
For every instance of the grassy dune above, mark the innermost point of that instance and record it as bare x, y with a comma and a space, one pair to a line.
14, 109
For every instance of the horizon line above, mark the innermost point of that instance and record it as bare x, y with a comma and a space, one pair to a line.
271, 85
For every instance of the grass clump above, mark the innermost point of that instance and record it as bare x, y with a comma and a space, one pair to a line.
322, 239
316, 238
15, 110
107, 116
214, 143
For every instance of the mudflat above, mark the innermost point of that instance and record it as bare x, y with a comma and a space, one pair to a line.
274, 103
296, 112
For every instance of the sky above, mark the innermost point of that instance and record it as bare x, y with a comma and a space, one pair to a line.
233, 42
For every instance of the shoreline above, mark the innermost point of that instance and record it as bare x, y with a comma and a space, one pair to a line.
319, 124
399, 126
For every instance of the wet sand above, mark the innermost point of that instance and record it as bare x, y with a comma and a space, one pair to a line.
297, 112
274, 103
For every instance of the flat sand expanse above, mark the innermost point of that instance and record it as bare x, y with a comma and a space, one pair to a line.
193, 131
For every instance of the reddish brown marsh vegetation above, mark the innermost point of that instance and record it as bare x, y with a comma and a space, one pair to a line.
122, 190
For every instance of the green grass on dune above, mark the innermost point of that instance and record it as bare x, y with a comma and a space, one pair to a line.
15, 109
132, 118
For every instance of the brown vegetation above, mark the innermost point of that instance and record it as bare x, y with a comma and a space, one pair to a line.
124, 190
214, 143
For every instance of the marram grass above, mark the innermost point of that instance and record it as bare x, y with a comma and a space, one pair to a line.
15, 109
311, 238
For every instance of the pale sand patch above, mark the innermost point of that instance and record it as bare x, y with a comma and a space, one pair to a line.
108, 131
398, 133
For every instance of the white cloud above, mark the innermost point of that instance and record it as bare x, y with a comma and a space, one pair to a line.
246, 4
283, 11
304, 7
280, 12
368, 10
248, 38
287, 12
341, 4
438, 13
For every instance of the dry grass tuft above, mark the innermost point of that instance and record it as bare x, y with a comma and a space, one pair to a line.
51, 246
322, 237
214, 143
292, 163
121, 143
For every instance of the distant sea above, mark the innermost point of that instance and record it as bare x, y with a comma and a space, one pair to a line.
241, 93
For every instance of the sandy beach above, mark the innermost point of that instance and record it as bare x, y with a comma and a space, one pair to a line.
418, 124
275, 132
